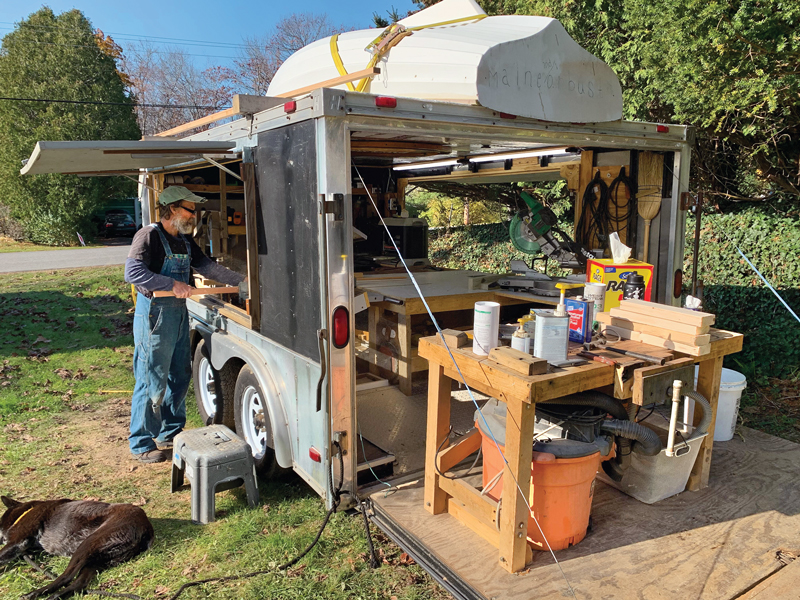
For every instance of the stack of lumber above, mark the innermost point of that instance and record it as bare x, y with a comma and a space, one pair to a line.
678, 329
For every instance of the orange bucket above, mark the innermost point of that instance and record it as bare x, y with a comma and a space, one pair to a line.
560, 496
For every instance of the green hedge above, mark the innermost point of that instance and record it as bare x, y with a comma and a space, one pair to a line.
733, 291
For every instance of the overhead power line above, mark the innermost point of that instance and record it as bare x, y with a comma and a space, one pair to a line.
133, 35
88, 46
116, 103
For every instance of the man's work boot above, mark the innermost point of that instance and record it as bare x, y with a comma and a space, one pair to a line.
151, 456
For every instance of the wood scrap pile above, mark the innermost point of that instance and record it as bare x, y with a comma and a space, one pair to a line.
678, 329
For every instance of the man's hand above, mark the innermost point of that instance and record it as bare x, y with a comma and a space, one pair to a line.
182, 290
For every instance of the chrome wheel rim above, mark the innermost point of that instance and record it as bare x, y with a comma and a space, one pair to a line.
208, 397
254, 421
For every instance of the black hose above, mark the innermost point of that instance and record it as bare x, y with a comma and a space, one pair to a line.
613, 468
647, 441
595, 399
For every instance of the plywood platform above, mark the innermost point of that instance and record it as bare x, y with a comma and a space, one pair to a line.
719, 543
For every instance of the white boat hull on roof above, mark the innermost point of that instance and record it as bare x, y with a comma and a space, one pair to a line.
521, 65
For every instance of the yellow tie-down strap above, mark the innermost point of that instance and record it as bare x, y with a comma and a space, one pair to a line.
362, 85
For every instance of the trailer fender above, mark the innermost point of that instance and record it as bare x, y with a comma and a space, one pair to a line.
222, 348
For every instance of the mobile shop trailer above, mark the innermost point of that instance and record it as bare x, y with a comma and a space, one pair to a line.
291, 186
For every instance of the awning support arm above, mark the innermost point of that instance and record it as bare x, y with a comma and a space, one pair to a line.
226, 169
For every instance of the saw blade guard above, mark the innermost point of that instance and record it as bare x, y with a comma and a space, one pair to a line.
522, 237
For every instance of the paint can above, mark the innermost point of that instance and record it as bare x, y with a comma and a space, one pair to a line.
552, 337
485, 327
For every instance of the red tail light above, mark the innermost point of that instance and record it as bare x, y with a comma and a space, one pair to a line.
677, 284
109, 224
386, 102
341, 327
290, 107
314, 454
507, 116
662, 129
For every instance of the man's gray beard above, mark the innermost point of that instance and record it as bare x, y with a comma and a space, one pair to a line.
184, 225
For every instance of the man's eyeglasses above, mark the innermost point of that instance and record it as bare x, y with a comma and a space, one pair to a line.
189, 210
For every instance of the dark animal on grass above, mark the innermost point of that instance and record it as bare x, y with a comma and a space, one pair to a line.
95, 534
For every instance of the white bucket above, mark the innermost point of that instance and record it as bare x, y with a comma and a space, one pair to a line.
731, 386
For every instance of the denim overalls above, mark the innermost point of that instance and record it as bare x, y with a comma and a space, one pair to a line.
161, 359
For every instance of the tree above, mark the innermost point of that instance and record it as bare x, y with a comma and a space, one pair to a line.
49, 57
728, 67
170, 89
261, 58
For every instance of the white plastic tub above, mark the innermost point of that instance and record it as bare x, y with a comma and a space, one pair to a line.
653, 478
731, 385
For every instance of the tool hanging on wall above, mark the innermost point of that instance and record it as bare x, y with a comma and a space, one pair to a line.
593, 223
651, 175
622, 205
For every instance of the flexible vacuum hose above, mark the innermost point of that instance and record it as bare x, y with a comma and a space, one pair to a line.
616, 467
647, 441
594, 399
705, 422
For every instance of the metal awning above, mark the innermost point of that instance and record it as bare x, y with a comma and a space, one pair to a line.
118, 156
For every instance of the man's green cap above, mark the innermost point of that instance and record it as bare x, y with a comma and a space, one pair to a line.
176, 193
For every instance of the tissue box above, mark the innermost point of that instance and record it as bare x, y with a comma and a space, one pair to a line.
603, 270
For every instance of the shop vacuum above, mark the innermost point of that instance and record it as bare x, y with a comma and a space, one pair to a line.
573, 435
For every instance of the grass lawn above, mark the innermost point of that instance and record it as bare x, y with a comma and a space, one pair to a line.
67, 340
9, 245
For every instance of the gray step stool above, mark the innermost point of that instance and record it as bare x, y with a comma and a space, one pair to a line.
214, 459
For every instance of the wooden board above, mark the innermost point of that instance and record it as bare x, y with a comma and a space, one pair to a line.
202, 291
662, 343
668, 313
501, 382
784, 583
714, 544
662, 332
521, 362
653, 321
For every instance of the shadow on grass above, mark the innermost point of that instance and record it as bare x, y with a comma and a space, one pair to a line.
38, 324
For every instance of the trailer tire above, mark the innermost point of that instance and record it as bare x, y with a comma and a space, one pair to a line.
210, 389
253, 423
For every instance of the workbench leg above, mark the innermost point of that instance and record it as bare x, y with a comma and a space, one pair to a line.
404, 360
439, 387
708, 386
514, 513
373, 314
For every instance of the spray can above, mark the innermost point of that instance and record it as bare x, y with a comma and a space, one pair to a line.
520, 340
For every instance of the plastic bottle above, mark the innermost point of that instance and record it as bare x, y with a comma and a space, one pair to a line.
520, 340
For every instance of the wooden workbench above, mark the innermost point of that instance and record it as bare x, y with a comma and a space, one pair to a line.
521, 393
445, 291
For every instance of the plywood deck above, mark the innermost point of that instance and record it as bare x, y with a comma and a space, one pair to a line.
719, 543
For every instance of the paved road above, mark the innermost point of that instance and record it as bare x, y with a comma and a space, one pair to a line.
113, 254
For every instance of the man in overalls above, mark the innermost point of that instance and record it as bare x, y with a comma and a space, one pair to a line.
161, 258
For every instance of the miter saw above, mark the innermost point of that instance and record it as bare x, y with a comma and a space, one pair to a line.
536, 232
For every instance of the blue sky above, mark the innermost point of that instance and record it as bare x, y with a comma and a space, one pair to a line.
204, 20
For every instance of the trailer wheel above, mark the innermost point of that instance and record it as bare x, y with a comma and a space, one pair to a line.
209, 389
253, 423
